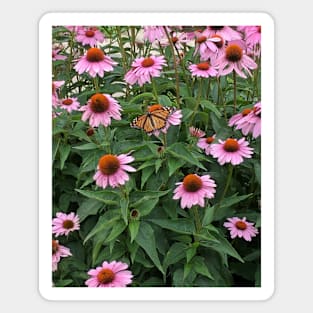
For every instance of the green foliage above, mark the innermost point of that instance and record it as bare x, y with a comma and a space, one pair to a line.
140, 223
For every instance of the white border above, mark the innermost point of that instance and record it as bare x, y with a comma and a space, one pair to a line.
267, 157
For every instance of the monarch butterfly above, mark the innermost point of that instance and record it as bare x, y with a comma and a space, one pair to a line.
154, 119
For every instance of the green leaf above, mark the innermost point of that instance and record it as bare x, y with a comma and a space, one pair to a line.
146, 239
191, 252
179, 151
139, 197
86, 146
178, 225
117, 229
210, 106
146, 173
146, 207
63, 282
146, 164
175, 253
141, 97
105, 196
133, 227
200, 267
55, 147
158, 164
208, 215
64, 153
88, 207
124, 209
165, 100
174, 164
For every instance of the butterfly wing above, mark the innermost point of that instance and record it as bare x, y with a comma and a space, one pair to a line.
151, 121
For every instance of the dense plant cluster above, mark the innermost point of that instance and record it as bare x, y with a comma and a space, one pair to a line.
156, 156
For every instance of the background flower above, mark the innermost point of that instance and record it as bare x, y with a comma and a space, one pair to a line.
241, 228
64, 223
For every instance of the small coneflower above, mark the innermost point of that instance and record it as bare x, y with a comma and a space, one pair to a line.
194, 189
58, 252
205, 45
111, 170
177, 39
95, 62
251, 123
55, 86
143, 69
113, 274
89, 36
205, 144
225, 32
203, 69
69, 104
235, 59
196, 132
241, 228
235, 119
64, 223
56, 56
153, 33
99, 109
231, 151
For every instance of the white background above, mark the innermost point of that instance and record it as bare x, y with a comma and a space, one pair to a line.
19, 156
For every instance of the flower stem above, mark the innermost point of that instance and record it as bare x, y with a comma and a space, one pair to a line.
220, 97
174, 65
155, 93
235, 91
197, 102
198, 223
228, 180
96, 83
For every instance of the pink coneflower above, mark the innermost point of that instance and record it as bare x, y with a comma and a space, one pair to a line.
58, 252
253, 35
111, 170
241, 228
196, 132
235, 59
95, 62
143, 69
153, 33
113, 274
235, 119
89, 36
64, 223
55, 86
193, 189
174, 118
69, 104
251, 122
100, 109
204, 69
205, 46
178, 39
56, 56
205, 144
225, 32
231, 151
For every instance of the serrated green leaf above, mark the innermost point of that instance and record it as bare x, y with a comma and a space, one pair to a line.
146, 173
117, 229
175, 253
124, 203
174, 164
88, 207
86, 146
200, 267
210, 106
105, 196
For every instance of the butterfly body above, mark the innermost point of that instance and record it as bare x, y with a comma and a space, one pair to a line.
153, 120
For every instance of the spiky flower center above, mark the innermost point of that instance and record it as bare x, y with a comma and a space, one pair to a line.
203, 66
105, 276
241, 225
155, 107
89, 33
147, 62
68, 224
219, 43
99, 103
95, 55
174, 39
192, 183
233, 53
67, 102
201, 39
55, 246
231, 145
209, 140
109, 164
245, 112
